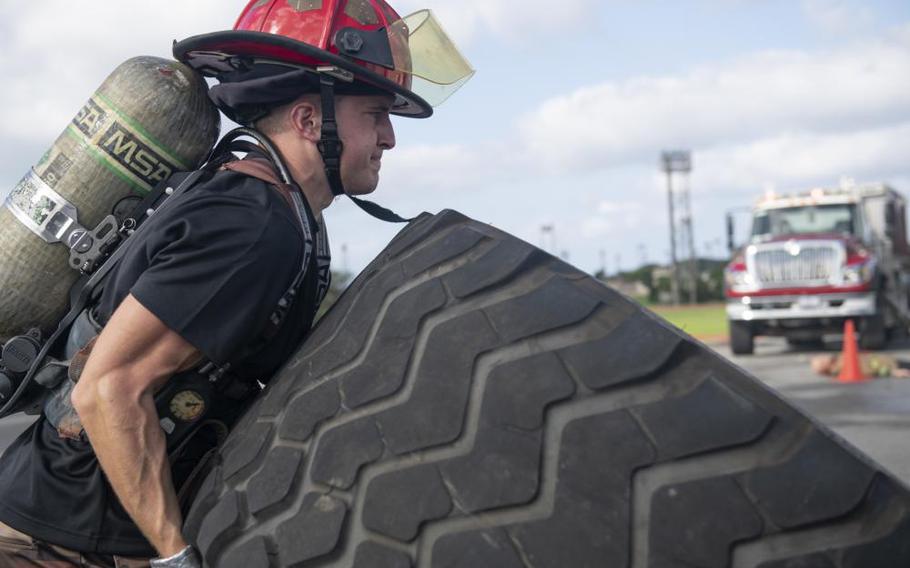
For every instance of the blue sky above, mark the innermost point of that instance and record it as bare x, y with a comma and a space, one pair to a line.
571, 105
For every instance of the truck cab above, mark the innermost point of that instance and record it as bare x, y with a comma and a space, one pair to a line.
814, 260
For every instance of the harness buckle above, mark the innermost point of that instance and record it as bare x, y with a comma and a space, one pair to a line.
96, 245
331, 151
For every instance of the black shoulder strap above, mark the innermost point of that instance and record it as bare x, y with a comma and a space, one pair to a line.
268, 172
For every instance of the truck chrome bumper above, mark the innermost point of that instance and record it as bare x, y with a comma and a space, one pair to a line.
751, 308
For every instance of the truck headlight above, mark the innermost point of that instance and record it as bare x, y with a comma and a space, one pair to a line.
859, 273
738, 279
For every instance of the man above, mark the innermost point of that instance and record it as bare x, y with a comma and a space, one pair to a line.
227, 277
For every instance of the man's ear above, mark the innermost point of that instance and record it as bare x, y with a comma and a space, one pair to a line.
306, 119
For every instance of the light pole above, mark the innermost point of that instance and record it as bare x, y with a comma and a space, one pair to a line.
672, 162
548, 239
344, 257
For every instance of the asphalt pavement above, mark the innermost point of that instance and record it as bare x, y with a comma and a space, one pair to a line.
874, 415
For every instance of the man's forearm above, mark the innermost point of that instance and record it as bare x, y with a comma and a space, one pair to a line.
125, 434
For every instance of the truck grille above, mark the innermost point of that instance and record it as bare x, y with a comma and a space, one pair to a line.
813, 263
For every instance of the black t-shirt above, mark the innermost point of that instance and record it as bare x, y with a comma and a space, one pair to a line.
212, 267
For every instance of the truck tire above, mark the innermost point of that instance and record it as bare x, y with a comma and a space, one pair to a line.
873, 333
742, 341
472, 402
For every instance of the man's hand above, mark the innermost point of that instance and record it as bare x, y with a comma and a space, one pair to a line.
132, 358
186, 558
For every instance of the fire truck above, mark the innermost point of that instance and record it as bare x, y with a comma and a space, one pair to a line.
814, 260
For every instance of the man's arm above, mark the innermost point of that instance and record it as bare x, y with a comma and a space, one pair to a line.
133, 357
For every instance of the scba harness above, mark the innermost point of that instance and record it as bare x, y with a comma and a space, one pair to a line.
197, 407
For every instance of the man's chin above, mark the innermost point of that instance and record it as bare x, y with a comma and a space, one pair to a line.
363, 188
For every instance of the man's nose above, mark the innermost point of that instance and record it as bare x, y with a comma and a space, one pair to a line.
387, 134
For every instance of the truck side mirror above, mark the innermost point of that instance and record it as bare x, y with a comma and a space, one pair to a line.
890, 220
730, 245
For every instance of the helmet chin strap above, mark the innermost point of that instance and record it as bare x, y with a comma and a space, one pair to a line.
330, 147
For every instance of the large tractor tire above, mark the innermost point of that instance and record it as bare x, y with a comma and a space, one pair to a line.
472, 402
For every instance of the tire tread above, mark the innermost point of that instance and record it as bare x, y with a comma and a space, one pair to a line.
472, 401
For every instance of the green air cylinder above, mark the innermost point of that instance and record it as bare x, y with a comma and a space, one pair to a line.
151, 117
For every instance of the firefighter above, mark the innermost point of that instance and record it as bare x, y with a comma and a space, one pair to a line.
95, 482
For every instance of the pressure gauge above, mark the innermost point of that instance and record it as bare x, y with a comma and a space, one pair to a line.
187, 405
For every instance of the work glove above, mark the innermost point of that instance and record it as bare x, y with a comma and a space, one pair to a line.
186, 558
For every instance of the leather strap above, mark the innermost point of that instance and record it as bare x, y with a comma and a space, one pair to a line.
264, 171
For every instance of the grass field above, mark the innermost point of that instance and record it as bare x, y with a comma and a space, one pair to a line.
706, 321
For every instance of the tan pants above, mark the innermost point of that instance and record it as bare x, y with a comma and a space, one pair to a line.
18, 550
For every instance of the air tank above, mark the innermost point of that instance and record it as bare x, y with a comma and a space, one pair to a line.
150, 118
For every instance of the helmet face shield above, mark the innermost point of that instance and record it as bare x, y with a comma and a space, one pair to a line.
365, 41
422, 49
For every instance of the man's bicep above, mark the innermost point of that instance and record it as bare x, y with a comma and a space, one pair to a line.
137, 344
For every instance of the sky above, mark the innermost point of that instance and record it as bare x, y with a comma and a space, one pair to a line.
564, 122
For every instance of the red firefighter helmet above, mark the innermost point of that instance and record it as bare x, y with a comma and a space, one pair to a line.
356, 41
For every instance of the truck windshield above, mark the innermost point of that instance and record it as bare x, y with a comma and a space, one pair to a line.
839, 218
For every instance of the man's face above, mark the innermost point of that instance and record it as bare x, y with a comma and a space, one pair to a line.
365, 127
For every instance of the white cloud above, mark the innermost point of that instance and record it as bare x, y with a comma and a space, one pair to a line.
432, 168
612, 217
608, 207
56, 52
838, 16
861, 86
593, 227
900, 33
515, 20
609, 225
787, 119
585, 161
792, 160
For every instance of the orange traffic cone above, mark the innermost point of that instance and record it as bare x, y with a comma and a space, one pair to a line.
850, 371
